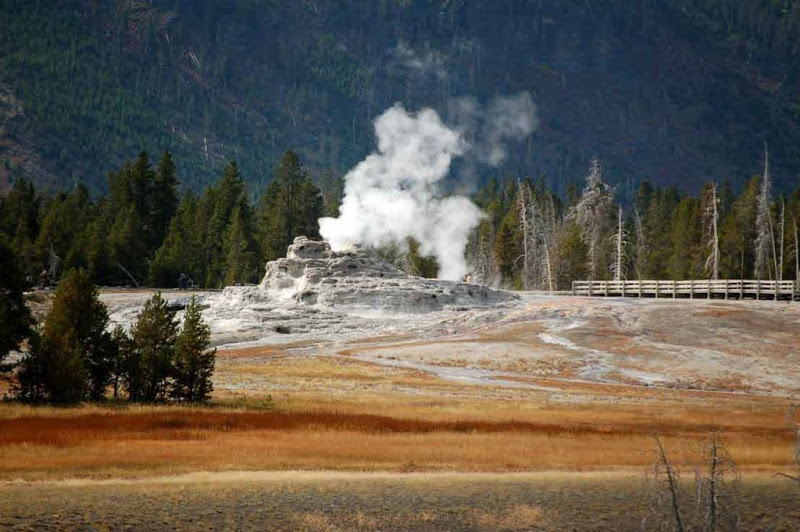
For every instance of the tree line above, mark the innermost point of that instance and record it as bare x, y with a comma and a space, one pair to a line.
534, 239
74, 356
143, 233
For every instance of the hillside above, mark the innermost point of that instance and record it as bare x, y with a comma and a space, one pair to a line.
675, 90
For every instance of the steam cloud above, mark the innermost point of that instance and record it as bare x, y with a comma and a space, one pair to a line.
430, 62
394, 193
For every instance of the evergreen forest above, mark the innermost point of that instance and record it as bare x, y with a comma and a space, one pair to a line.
665, 90
145, 233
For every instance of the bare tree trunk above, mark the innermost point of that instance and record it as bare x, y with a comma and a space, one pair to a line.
712, 485
548, 265
673, 488
764, 232
782, 237
619, 274
796, 253
712, 214
522, 207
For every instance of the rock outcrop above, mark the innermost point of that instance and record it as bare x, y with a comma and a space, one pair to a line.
313, 274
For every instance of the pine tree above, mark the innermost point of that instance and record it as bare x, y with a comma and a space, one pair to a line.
120, 352
71, 360
240, 253
290, 207
194, 361
182, 251
739, 232
572, 252
685, 238
229, 195
15, 319
163, 199
19, 222
149, 364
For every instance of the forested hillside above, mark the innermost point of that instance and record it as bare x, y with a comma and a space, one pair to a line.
675, 91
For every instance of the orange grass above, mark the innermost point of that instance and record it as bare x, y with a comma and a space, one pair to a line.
424, 435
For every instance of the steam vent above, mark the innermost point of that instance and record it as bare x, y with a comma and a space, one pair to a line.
313, 274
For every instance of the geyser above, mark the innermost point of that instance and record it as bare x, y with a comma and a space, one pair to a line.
395, 192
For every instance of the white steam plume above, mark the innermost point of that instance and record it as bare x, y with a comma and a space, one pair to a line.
394, 193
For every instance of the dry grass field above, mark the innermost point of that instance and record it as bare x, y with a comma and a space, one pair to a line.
323, 436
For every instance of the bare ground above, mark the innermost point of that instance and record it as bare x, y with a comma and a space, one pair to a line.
569, 385
369, 502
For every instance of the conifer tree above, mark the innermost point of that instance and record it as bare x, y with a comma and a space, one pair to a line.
228, 195
290, 207
182, 251
15, 319
19, 221
572, 251
163, 199
739, 232
149, 364
129, 220
71, 360
194, 361
240, 248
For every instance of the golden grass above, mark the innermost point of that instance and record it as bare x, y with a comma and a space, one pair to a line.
421, 435
334, 413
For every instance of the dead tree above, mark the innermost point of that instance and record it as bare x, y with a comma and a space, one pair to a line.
664, 468
547, 230
716, 503
796, 252
794, 426
779, 271
592, 214
485, 270
714, 506
620, 240
711, 215
527, 213
765, 236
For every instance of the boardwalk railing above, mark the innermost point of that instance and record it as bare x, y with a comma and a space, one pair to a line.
704, 288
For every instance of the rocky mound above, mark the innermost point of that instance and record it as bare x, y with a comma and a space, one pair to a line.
313, 274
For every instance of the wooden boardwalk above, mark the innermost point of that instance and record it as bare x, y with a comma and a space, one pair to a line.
704, 288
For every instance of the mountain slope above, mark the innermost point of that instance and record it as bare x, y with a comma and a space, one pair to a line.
675, 91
